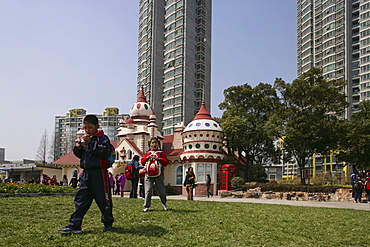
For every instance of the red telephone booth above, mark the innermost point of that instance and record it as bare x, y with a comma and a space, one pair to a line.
228, 171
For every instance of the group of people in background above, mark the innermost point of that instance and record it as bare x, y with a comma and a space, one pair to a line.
360, 183
118, 182
46, 180
21, 181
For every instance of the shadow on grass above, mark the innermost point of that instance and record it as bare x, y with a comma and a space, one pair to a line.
185, 211
148, 230
172, 210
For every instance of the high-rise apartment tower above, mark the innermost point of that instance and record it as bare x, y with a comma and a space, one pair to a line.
66, 128
174, 58
335, 35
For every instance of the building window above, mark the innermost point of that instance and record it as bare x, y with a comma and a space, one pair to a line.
179, 173
200, 173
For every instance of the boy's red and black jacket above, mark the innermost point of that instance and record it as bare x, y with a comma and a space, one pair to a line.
94, 154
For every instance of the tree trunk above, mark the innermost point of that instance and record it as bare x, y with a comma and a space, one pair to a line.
247, 173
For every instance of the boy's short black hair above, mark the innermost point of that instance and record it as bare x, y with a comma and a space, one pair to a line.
93, 119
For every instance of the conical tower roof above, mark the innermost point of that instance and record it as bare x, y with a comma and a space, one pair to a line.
203, 121
202, 113
142, 97
141, 109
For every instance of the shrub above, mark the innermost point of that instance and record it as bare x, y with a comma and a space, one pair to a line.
273, 182
237, 182
170, 190
296, 181
291, 187
319, 180
16, 188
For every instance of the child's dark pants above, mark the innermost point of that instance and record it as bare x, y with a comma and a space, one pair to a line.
94, 184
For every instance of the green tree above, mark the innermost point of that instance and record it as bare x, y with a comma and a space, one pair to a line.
245, 121
257, 173
310, 116
356, 144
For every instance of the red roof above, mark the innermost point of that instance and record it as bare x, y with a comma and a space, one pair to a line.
142, 97
202, 113
134, 147
175, 152
167, 144
168, 147
68, 158
128, 121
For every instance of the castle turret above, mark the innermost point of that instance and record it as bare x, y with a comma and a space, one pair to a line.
202, 139
141, 110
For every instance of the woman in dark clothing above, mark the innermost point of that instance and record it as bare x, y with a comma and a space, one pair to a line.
189, 182
135, 175
74, 181
208, 185
117, 185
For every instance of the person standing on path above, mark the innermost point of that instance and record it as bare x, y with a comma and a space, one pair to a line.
121, 181
111, 183
135, 175
189, 183
208, 185
155, 160
74, 180
358, 187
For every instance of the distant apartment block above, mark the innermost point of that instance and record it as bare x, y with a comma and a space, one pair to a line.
2, 154
174, 58
67, 126
335, 35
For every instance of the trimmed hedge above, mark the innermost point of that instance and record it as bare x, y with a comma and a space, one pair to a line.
236, 182
291, 187
34, 188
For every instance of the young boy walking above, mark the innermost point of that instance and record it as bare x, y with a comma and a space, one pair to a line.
93, 149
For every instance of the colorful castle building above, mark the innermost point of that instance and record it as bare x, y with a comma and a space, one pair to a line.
198, 145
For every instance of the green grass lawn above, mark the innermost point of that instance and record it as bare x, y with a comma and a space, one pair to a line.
26, 221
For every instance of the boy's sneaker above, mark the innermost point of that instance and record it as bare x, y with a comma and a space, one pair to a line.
107, 228
145, 209
165, 207
68, 230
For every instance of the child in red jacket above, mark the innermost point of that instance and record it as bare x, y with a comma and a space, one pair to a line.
154, 162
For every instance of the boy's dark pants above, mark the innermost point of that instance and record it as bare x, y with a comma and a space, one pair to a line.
94, 184
134, 184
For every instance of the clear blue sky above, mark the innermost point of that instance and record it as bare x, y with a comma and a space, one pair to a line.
57, 55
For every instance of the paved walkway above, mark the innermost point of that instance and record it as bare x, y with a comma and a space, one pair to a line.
348, 205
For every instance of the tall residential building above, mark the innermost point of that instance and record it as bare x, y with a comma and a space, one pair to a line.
174, 58
335, 35
2, 154
67, 126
